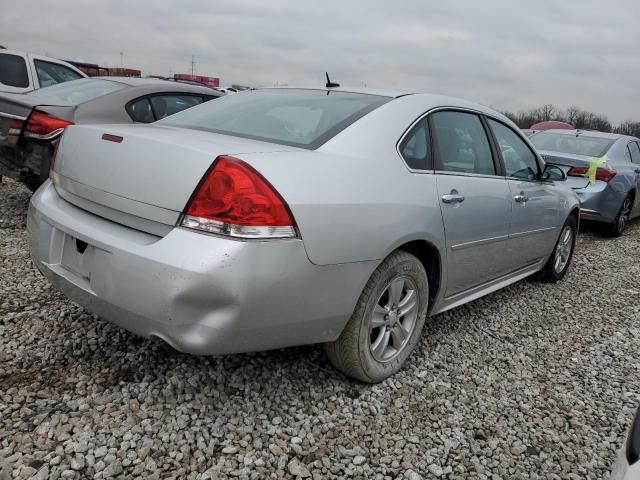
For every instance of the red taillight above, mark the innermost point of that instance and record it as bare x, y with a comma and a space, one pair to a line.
42, 126
234, 199
604, 174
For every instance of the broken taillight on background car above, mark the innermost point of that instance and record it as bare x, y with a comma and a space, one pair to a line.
604, 174
42, 126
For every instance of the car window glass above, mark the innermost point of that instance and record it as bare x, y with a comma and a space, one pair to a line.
13, 71
53, 73
165, 105
140, 111
577, 144
416, 147
519, 160
296, 117
635, 152
462, 143
77, 91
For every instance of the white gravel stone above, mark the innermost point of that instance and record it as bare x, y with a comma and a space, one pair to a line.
534, 381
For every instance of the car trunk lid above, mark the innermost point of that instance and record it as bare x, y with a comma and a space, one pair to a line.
566, 161
140, 176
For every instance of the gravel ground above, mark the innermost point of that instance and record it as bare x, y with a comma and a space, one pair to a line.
536, 381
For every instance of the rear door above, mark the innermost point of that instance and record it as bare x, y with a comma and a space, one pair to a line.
474, 199
15, 75
535, 203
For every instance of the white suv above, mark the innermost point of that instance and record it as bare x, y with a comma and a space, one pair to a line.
22, 72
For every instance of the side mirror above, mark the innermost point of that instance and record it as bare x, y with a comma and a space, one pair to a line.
553, 173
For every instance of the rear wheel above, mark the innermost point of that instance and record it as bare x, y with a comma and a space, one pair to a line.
386, 324
616, 228
556, 267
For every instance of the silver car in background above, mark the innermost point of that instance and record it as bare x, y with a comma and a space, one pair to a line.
282, 217
610, 197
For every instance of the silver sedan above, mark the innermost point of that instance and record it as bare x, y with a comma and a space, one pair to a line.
282, 217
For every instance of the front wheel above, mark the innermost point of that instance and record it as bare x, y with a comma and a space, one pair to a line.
616, 228
386, 324
556, 267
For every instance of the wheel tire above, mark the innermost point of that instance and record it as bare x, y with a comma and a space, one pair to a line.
550, 273
616, 228
352, 352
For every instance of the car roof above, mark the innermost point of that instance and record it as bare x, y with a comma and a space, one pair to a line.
362, 90
160, 84
429, 100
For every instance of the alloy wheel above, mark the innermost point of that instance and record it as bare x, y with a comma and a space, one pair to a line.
563, 249
625, 211
393, 318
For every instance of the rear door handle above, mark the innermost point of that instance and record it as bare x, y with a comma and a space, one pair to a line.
522, 198
452, 198
637, 170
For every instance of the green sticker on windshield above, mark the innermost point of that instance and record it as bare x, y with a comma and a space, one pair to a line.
594, 163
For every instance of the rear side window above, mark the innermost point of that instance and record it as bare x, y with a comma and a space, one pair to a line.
462, 144
165, 105
415, 148
13, 71
53, 73
519, 160
295, 117
635, 152
77, 91
140, 111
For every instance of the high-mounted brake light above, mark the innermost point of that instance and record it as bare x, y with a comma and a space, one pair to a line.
42, 126
233, 199
604, 174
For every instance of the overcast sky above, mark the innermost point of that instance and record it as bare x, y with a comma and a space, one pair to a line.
508, 54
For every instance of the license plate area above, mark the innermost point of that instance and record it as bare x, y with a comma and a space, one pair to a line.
77, 257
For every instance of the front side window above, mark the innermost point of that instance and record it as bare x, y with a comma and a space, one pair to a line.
77, 91
13, 71
415, 148
519, 160
53, 73
462, 143
295, 117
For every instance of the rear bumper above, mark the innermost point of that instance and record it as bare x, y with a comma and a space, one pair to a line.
201, 294
30, 163
599, 202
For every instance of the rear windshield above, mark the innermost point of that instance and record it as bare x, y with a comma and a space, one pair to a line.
569, 143
77, 91
295, 117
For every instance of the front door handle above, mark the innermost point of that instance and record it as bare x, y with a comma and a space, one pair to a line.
453, 197
521, 198
637, 170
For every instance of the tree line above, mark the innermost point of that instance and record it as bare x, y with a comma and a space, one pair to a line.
579, 118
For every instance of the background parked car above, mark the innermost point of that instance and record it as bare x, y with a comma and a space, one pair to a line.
22, 72
31, 123
281, 217
612, 197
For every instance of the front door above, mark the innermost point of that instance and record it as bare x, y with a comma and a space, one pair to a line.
535, 204
474, 201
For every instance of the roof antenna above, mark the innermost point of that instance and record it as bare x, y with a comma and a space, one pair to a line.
330, 84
